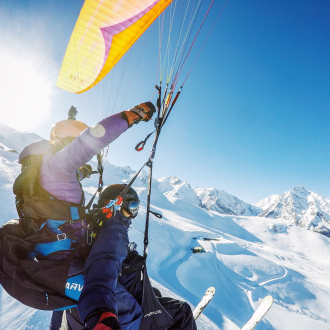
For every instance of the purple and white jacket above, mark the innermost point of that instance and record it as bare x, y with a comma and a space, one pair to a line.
58, 169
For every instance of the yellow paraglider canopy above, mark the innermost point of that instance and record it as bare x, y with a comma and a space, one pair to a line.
104, 31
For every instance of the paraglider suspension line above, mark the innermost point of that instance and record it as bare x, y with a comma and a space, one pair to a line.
146, 231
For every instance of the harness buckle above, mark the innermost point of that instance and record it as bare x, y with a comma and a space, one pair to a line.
61, 237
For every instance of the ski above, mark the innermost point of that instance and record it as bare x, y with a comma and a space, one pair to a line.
261, 311
204, 302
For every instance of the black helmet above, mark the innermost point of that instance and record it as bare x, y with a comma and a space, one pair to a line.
131, 199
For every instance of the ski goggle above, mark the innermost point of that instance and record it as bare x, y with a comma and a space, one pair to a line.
132, 207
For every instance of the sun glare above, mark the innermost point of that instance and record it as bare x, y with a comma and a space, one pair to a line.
24, 94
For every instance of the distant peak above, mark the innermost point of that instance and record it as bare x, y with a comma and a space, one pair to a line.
299, 189
5, 128
170, 177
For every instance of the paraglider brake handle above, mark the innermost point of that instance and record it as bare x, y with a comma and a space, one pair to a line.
141, 144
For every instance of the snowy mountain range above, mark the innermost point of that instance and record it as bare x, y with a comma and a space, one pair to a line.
299, 207
251, 250
209, 198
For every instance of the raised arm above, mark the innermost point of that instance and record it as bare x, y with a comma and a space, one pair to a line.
89, 143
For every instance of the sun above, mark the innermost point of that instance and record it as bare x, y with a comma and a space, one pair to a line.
24, 94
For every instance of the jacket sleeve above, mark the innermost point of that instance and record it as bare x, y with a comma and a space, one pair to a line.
102, 269
88, 144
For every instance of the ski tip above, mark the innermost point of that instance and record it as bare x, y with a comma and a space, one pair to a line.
211, 290
260, 312
204, 302
269, 299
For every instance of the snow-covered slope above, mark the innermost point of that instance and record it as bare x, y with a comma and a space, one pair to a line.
246, 257
301, 207
9, 169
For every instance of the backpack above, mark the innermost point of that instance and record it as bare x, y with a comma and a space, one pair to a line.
38, 282
39, 251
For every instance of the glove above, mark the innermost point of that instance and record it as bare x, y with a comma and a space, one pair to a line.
108, 321
143, 111
105, 320
84, 172
87, 170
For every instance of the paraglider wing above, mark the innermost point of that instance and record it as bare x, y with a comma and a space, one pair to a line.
104, 31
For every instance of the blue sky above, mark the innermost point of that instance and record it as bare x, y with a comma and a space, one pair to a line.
253, 117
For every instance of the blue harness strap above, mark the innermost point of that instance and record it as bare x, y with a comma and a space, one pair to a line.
62, 243
75, 283
74, 213
64, 308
